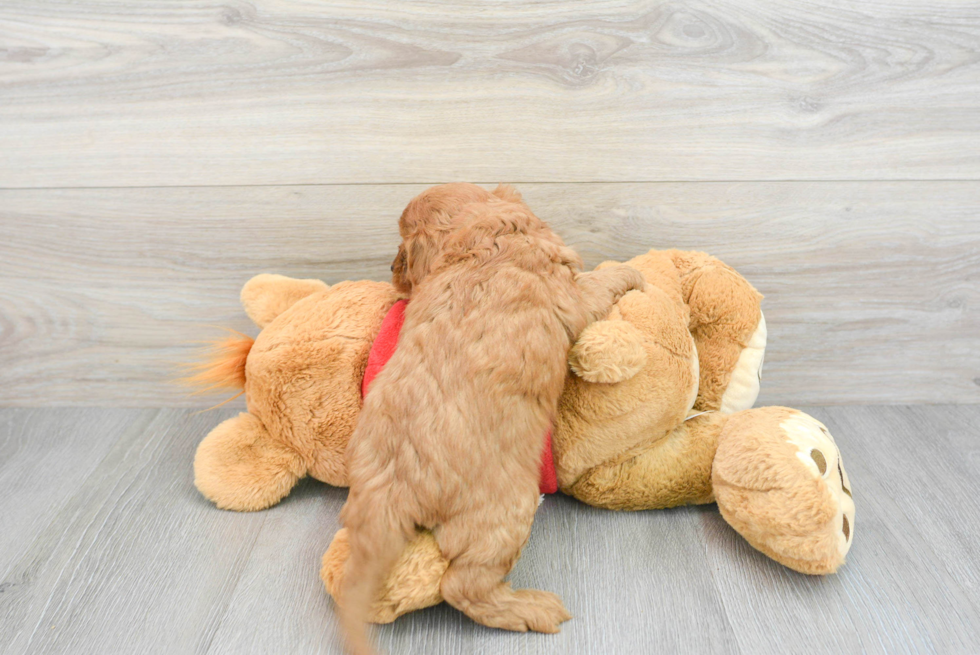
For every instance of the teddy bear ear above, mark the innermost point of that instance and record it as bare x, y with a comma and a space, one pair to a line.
266, 295
607, 352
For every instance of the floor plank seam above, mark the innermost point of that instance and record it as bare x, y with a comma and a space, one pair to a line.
84, 482
907, 589
230, 595
714, 580
83, 535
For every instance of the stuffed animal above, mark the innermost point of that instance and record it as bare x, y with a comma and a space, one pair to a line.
654, 414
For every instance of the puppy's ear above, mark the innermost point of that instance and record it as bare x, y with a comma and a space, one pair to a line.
418, 258
418, 213
415, 260
507, 193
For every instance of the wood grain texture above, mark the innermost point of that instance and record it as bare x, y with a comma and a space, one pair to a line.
872, 289
296, 91
281, 580
127, 565
131, 559
34, 451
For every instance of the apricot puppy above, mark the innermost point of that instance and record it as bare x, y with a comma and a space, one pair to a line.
451, 431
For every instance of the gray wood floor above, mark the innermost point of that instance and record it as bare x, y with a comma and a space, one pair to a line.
106, 547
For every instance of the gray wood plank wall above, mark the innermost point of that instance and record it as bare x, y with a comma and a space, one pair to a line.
154, 156
294, 91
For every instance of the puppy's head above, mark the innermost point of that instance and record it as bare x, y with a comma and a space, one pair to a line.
427, 222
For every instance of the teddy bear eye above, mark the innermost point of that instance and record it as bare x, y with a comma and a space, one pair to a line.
819, 460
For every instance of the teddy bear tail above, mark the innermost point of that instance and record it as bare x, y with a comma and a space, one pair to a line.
223, 367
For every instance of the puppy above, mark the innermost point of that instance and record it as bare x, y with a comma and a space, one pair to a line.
451, 432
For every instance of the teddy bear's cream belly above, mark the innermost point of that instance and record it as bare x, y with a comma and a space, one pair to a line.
743, 386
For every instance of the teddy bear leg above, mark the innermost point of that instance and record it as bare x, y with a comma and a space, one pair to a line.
673, 471
239, 466
412, 584
780, 483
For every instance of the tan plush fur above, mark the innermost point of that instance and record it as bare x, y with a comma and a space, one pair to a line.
782, 503
724, 313
297, 424
608, 351
626, 445
764, 490
452, 429
602, 424
240, 466
413, 584
675, 470
267, 295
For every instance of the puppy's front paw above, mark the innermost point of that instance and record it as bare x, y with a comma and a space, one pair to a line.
627, 279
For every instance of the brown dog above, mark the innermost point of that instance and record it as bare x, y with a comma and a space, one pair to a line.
451, 432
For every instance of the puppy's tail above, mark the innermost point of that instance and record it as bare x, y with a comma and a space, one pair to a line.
377, 537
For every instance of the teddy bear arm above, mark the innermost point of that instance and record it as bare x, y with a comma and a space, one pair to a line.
266, 296
603, 287
635, 378
608, 352
658, 271
240, 466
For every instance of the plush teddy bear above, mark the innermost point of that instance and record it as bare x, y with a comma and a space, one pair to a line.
654, 414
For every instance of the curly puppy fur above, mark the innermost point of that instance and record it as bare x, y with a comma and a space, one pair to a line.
451, 432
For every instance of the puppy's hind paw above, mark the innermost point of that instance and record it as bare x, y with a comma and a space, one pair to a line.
540, 611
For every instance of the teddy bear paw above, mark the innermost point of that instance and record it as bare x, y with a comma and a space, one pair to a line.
608, 351
779, 481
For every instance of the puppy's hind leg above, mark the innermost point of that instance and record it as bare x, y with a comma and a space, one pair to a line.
481, 553
602, 288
